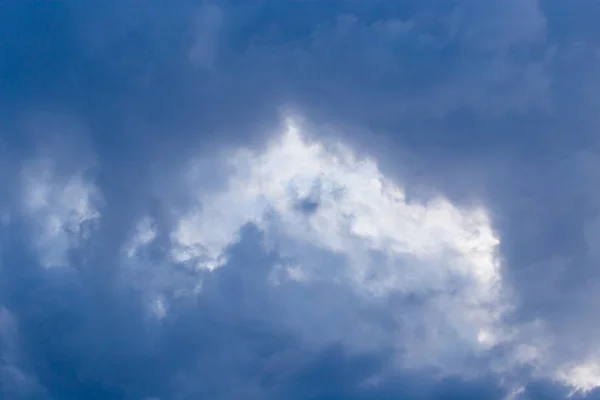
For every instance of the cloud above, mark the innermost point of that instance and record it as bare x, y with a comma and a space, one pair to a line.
363, 240
496, 57
203, 51
426, 230
378, 242
13, 381
61, 210
145, 234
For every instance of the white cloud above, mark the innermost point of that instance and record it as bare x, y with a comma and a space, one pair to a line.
62, 210
312, 200
145, 233
353, 243
155, 278
582, 377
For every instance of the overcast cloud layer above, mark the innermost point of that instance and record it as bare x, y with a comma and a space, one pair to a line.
300, 200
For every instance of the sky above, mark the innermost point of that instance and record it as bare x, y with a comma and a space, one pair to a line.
312, 200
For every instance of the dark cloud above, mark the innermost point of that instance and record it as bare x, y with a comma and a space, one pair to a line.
485, 102
81, 339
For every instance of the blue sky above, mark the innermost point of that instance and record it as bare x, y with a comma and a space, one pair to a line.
309, 200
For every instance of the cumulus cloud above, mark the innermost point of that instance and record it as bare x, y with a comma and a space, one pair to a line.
360, 232
426, 230
378, 242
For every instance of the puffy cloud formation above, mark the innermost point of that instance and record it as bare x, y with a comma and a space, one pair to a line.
315, 204
299, 200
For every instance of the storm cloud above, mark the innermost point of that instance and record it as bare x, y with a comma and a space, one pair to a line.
299, 200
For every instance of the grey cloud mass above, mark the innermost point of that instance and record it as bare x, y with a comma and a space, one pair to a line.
299, 200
